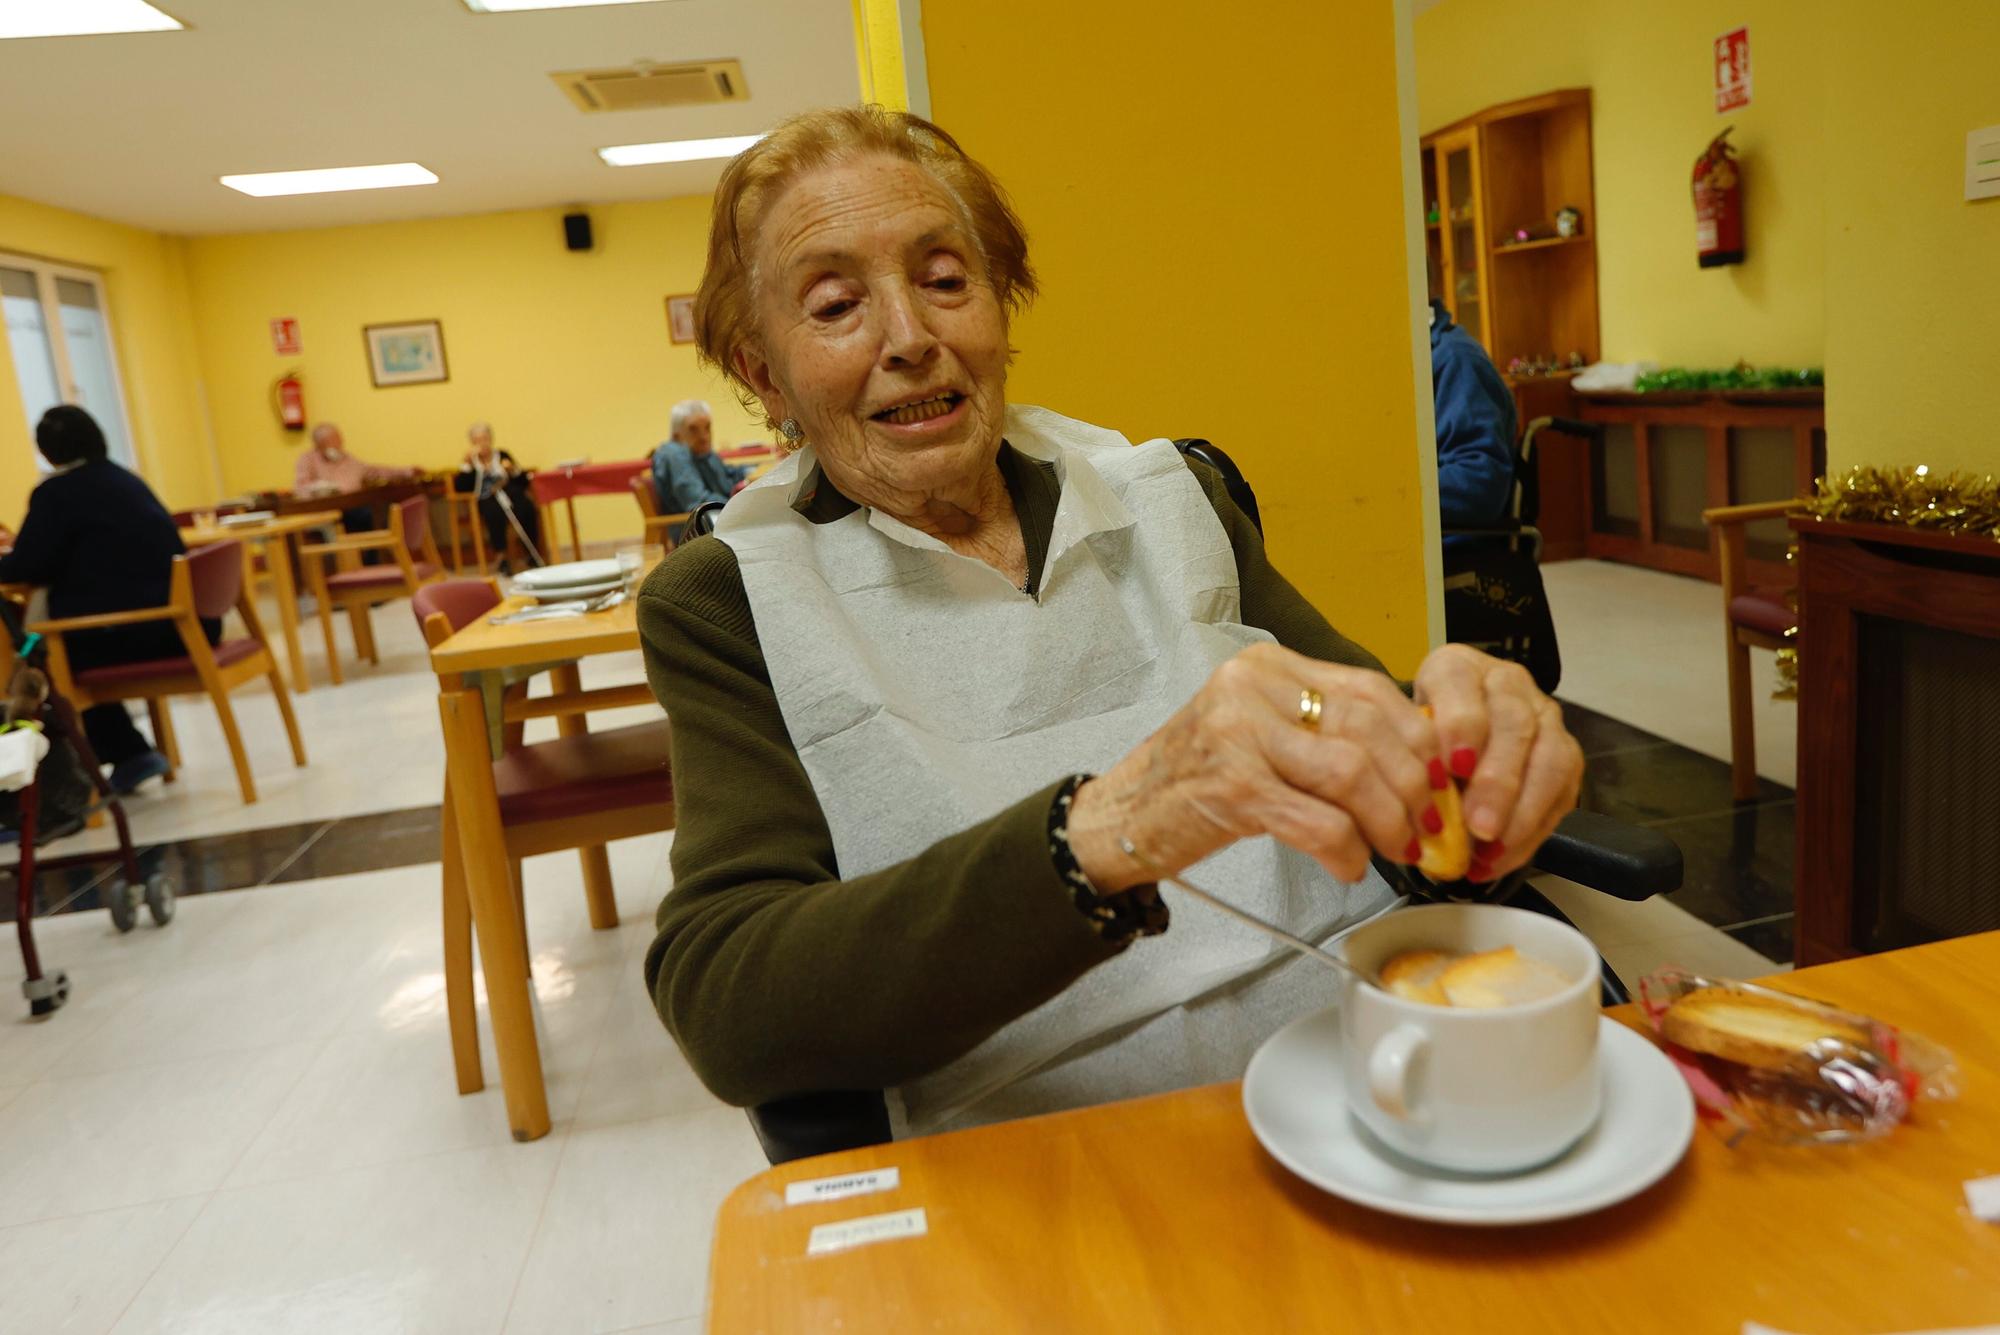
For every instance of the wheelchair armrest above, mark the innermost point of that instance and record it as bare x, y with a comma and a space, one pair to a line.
805, 1125
1623, 860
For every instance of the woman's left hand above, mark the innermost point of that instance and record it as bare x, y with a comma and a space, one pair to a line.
1506, 743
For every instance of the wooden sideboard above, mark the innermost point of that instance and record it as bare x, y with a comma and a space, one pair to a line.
1665, 457
1899, 737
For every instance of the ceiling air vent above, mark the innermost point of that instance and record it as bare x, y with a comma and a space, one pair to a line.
644, 87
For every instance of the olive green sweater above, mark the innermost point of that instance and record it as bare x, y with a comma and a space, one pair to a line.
776, 975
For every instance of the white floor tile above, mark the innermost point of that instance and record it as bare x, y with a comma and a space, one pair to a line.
1608, 920
686, 1326
431, 1245
1647, 648
625, 1238
1705, 951
75, 1276
96, 1142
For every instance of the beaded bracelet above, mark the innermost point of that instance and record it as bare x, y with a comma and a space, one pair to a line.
1117, 918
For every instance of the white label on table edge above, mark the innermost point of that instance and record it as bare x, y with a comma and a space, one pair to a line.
870, 1228
1982, 1194
847, 1184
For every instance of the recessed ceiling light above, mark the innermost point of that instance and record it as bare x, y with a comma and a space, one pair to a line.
325, 179
676, 150
80, 18
514, 6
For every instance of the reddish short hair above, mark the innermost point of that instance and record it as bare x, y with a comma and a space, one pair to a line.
724, 310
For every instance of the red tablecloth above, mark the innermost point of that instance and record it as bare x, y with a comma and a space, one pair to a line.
558, 484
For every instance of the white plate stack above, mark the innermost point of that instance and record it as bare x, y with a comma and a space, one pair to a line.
570, 581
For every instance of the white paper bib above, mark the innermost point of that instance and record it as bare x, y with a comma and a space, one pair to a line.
925, 693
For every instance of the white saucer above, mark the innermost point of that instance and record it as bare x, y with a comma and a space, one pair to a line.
570, 592
247, 517
1293, 1094
570, 574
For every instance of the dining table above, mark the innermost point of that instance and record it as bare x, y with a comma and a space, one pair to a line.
1165, 1214
475, 666
278, 538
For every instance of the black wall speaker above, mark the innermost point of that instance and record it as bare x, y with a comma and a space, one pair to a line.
576, 231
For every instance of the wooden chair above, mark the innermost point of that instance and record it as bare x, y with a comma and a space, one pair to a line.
659, 528
357, 588
206, 583
1752, 615
581, 791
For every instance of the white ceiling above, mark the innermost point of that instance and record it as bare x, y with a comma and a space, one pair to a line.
137, 127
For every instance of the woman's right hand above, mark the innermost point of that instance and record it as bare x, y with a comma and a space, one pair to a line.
1238, 761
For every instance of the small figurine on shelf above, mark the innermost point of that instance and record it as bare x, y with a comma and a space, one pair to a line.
1432, 217
1574, 362
1569, 222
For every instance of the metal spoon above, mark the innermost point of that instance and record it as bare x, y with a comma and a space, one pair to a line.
1270, 929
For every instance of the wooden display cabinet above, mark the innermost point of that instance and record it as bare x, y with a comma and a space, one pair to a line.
1506, 169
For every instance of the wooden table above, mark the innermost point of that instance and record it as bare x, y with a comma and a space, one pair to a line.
278, 559
1164, 1214
473, 667
549, 485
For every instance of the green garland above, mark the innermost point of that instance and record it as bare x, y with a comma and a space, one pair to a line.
1738, 377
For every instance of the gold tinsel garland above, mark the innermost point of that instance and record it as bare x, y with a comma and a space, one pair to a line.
1956, 503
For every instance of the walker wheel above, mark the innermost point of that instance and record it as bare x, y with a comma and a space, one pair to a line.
160, 898
123, 901
46, 995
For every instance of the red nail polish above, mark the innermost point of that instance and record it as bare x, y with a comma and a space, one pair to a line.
1439, 778
1463, 761
1433, 822
1413, 851
1479, 871
1488, 850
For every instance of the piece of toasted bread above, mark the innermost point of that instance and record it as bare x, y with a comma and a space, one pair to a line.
1753, 1030
1495, 978
1446, 855
1413, 975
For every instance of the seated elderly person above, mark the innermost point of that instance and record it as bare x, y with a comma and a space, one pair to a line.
99, 541
504, 500
327, 469
930, 671
686, 469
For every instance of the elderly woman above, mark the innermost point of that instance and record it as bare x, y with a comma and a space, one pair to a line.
686, 469
932, 667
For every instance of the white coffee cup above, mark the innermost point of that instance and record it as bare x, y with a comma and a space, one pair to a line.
1478, 1091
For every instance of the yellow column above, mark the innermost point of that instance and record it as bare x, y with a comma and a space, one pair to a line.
878, 40
1217, 201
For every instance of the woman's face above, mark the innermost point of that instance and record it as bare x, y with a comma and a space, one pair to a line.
878, 331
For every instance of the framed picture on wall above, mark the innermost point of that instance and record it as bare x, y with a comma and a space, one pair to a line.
680, 318
411, 353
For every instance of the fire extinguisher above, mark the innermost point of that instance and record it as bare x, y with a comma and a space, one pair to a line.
288, 400
1718, 204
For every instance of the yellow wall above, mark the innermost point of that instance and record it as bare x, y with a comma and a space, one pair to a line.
566, 354
1233, 264
1913, 269
145, 283
1649, 68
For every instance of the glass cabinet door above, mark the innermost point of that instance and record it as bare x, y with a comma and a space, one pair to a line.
1461, 221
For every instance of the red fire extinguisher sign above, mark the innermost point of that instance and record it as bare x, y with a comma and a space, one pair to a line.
1732, 70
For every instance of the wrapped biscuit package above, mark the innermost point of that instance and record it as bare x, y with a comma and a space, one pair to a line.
1786, 1069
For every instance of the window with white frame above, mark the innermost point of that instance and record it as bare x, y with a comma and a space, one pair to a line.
59, 333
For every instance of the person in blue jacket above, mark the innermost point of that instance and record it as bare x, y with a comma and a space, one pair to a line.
686, 469
1475, 427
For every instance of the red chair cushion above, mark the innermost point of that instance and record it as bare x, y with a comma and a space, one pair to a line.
1763, 608
229, 651
369, 577
574, 776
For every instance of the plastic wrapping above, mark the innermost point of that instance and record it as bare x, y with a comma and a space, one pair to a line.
1786, 1069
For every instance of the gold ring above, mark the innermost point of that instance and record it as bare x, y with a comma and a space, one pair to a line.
1311, 705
